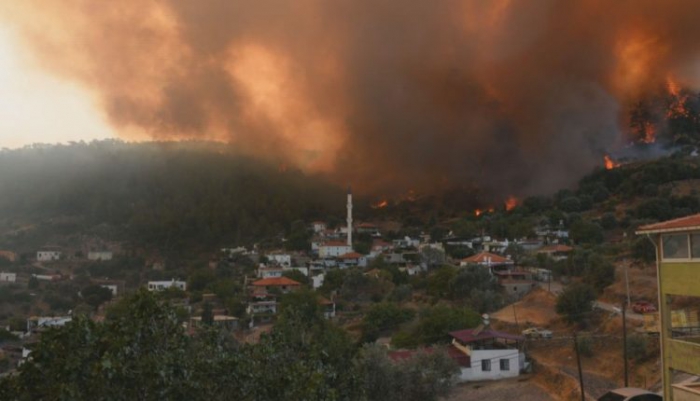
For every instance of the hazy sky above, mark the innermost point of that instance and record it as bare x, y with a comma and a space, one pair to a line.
37, 107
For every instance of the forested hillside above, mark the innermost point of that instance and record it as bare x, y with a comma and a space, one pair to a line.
159, 194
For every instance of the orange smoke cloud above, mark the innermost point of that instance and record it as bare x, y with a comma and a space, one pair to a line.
387, 96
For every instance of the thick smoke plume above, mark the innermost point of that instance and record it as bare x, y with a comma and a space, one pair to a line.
516, 97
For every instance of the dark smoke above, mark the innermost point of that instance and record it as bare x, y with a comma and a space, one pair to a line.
518, 97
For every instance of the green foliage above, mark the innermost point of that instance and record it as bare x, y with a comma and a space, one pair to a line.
95, 295
599, 273
6, 336
423, 377
174, 196
434, 324
358, 287
585, 232
585, 345
33, 283
207, 314
575, 302
297, 276
382, 317
638, 347
440, 281
142, 352
471, 278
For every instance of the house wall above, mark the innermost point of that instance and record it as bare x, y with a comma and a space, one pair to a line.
162, 285
105, 255
48, 256
333, 251
8, 277
475, 372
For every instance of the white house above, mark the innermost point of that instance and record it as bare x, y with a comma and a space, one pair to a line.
317, 280
111, 287
100, 255
333, 249
281, 259
48, 255
318, 226
268, 272
490, 354
8, 277
162, 285
262, 307
36, 322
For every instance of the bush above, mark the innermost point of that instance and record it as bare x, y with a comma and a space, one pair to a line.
383, 317
585, 345
575, 302
637, 347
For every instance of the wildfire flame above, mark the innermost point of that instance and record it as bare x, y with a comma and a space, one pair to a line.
381, 204
511, 203
479, 212
678, 99
610, 163
649, 133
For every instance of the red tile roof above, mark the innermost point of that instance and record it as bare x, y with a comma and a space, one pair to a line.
335, 243
468, 336
275, 281
483, 257
681, 224
556, 248
350, 255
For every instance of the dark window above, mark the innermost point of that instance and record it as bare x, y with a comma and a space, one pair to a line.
675, 246
486, 365
505, 364
695, 246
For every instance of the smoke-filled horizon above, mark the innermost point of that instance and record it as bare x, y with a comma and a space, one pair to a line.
514, 97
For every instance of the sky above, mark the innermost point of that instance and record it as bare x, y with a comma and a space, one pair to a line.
38, 107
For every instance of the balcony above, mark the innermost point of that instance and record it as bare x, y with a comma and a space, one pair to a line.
684, 354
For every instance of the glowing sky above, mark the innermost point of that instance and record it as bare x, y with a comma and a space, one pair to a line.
37, 107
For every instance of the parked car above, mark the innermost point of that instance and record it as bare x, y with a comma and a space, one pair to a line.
534, 332
643, 307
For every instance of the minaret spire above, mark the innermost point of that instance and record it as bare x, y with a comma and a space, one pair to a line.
349, 216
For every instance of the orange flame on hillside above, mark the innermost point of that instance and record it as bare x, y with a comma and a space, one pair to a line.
649, 133
678, 99
479, 212
511, 203
610, 163
381, 204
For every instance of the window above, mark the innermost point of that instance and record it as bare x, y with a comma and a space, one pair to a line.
486, 365
695, 246
675, 246
505, 364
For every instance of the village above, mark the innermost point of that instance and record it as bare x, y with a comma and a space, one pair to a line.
241, 290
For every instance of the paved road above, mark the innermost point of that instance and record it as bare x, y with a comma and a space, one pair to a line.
617, 309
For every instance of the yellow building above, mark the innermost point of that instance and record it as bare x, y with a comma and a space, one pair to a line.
678, 268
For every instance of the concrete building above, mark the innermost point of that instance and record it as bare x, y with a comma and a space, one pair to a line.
677, 244
333, 249
8, 277
163, 285
100, 255
48, 255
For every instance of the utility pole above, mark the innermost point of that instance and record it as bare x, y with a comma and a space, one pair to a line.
580, 371
624, 342
514, 315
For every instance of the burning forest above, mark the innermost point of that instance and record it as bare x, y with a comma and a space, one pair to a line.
513, 97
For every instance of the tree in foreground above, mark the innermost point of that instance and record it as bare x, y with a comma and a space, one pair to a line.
575, 302
141, 352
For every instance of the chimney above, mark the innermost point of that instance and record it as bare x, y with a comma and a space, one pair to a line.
349, 206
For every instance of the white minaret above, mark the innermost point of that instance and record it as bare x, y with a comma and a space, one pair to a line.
349, 216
